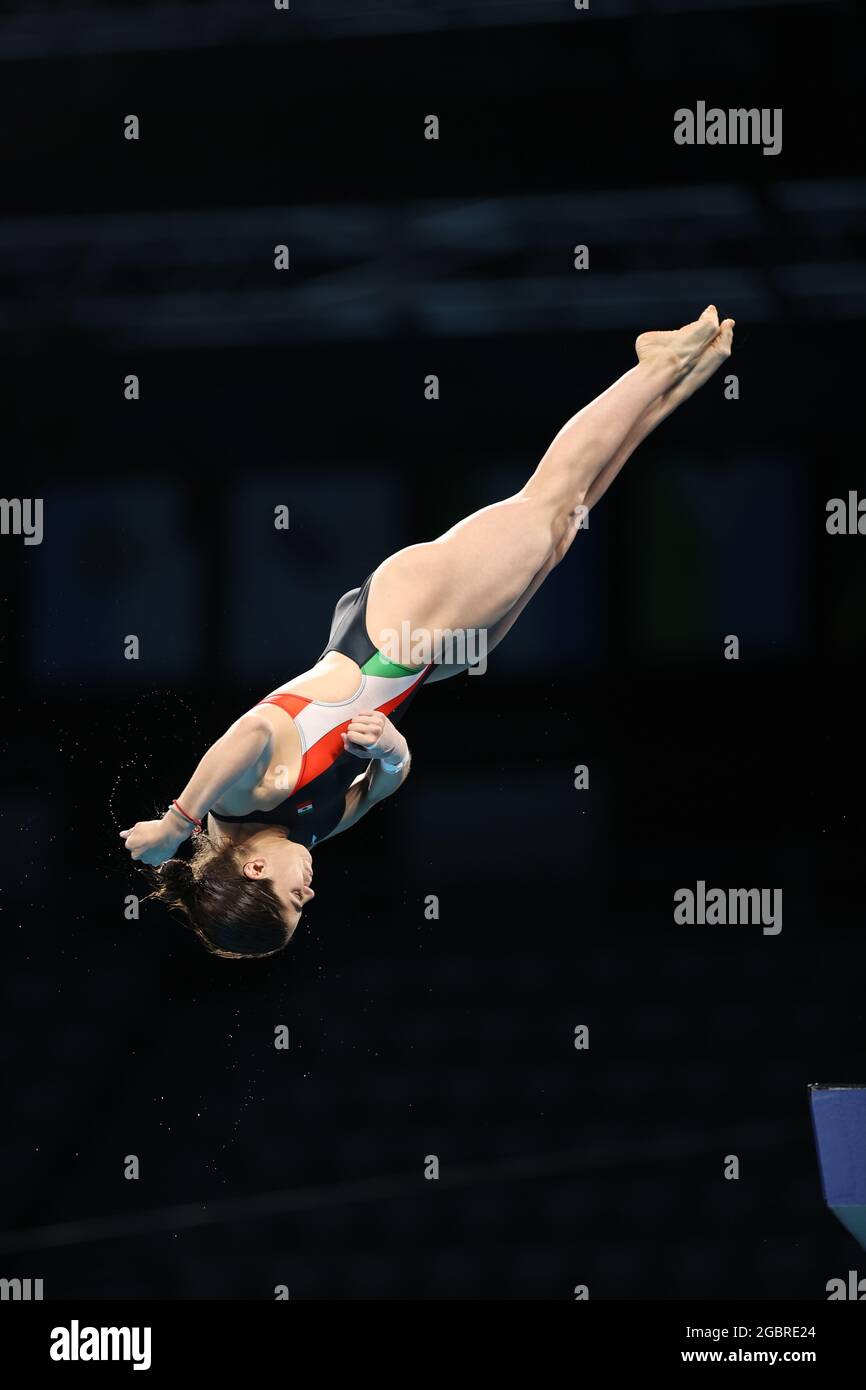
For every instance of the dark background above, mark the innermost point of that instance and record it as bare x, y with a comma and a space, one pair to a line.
412, 1037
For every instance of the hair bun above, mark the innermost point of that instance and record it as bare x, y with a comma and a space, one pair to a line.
176, 879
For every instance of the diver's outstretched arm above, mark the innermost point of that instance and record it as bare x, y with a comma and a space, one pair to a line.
241, 753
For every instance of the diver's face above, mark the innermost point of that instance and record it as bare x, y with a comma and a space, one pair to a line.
289, 866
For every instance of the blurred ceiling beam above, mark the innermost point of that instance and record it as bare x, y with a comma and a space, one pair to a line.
449, 267
58, 31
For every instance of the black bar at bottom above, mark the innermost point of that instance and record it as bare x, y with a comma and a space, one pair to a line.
164, 1339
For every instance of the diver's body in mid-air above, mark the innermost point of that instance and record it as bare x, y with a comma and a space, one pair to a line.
285, 776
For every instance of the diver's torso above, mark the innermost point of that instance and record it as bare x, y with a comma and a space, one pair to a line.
331, 682
302, 780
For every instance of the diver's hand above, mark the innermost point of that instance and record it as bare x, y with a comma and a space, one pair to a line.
372, 735
153, 841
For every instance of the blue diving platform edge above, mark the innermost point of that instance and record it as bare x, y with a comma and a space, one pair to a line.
839, 1122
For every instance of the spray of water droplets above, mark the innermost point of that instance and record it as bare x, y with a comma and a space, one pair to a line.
184, 733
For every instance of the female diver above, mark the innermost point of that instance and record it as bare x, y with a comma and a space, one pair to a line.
285, 776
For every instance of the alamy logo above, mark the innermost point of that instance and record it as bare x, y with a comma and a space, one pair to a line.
21, 1290
846, 518
729, 907
22, 516
419, 646
855, 1288
737, 126
76, 1343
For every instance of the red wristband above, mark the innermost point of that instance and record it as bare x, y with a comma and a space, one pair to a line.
192, 819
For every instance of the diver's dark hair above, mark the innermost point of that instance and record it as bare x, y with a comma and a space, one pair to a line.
231, 915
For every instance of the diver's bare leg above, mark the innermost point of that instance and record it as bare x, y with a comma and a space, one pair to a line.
473, 575
709, 361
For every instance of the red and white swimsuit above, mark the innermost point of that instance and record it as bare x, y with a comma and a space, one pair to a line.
317, 803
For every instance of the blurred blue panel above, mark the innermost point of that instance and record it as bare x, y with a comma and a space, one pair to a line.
565, 624
116, 560
286, 584
719, 550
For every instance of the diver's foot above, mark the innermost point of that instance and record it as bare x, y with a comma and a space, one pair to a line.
675, 352
717, 351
